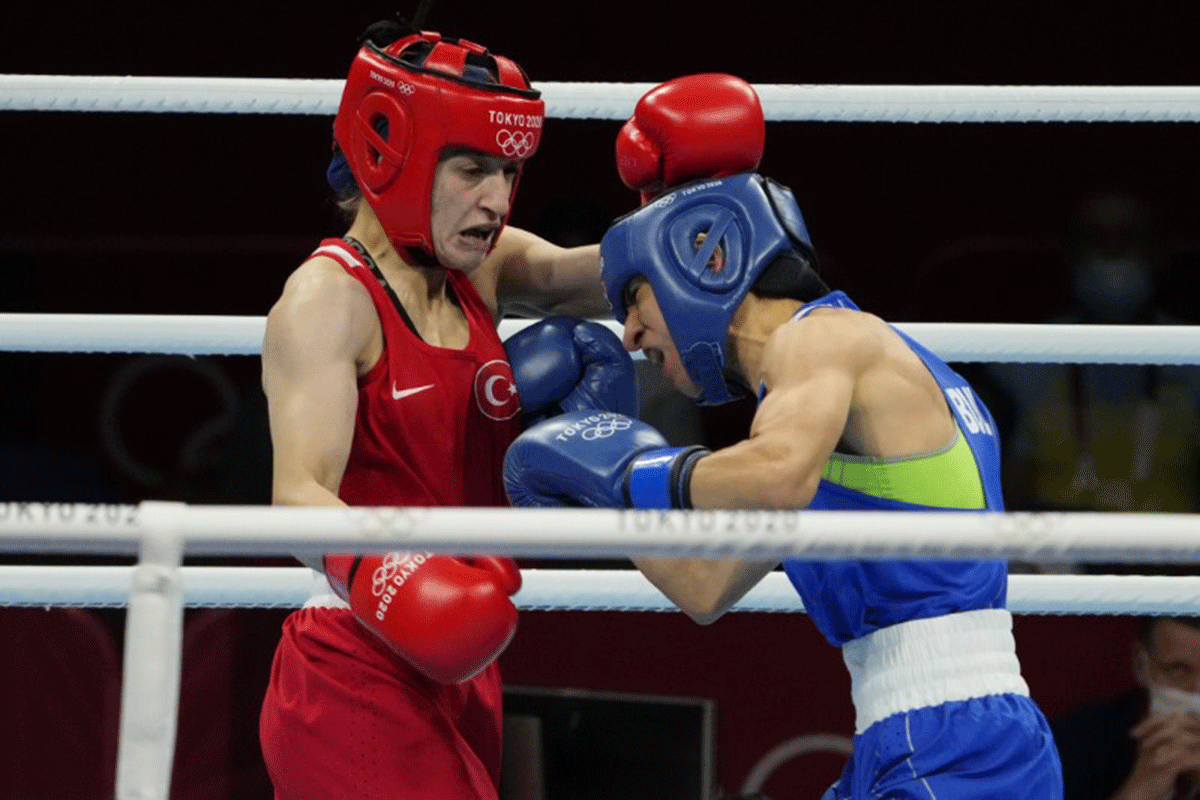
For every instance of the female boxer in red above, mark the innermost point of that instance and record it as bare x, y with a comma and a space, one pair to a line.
388, 385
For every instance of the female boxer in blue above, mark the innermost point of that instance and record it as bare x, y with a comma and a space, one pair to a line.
714, 282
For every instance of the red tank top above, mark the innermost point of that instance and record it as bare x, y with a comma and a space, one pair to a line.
433, 423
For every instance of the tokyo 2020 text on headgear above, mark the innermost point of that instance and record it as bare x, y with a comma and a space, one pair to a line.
753, 219
405, 103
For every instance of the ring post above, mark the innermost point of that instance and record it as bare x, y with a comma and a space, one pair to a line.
153, 644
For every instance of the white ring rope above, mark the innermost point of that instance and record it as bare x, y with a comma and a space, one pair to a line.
572, 590
132, 333
578, 100
953, 341
590, 533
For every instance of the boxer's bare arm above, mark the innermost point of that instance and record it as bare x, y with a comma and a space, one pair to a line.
528, 274
315, 338
316, 334
831, 376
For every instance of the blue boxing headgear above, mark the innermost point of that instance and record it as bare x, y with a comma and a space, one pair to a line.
752, 218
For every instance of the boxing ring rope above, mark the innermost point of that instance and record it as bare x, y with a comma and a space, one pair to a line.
576, 100
952, 341
247, 530
572, 590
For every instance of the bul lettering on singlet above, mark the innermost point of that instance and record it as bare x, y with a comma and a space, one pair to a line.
964, 402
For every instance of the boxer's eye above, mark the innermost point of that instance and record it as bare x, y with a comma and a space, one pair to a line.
629, 296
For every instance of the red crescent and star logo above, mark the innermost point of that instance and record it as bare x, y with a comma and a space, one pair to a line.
496, 391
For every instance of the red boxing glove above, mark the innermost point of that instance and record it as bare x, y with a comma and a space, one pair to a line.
699, 126
447, 617
503, 569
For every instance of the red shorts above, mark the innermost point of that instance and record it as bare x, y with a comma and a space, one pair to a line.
345, 717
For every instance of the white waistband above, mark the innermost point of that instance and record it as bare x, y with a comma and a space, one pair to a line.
927, 662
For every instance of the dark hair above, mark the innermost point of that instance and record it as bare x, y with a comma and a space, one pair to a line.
793, 275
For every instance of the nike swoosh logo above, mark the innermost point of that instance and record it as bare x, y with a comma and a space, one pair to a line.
398, 393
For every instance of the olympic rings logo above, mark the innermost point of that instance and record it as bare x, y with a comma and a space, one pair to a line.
604, 429
386, 571
663, 202
516, 144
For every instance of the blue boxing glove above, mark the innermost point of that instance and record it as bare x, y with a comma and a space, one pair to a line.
566, 364
599, 459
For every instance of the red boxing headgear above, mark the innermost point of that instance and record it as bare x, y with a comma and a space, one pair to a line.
427, 94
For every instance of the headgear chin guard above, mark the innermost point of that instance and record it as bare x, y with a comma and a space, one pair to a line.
752, 218
428, 94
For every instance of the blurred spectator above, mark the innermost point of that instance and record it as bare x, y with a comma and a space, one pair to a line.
1145, 743
1105, 436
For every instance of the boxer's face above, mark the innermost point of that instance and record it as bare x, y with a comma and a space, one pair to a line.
646, 330
471, 195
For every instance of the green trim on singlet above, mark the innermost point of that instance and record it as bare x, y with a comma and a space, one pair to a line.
947, 477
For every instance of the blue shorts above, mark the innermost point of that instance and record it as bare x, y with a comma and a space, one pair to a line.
986, 748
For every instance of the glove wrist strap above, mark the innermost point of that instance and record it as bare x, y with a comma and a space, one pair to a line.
662, 478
